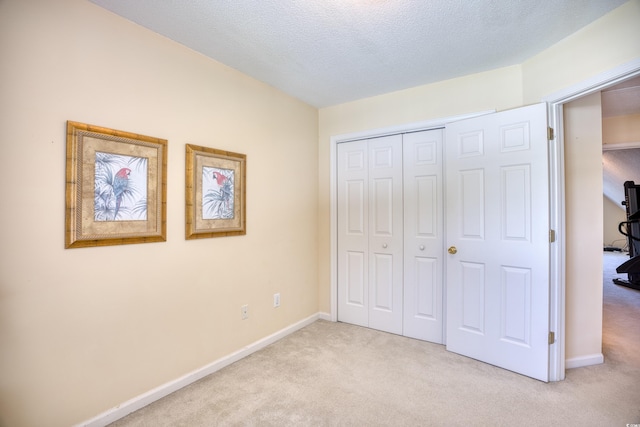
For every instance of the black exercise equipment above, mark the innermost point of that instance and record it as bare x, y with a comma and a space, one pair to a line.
632, 232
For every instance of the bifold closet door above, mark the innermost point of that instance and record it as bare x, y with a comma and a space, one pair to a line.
353, 238
370, 233
385, 234
423, 235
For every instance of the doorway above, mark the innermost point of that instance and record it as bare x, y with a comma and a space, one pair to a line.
620, 154
621, 163
585, 167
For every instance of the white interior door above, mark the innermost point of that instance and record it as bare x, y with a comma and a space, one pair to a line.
497, 205
423, 231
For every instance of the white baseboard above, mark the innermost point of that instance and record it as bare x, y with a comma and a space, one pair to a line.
324, 316
579, 362
158, 393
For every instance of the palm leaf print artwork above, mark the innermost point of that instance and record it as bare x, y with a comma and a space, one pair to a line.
120, 188
217, 193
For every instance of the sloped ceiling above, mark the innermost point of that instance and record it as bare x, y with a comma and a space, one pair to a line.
622, 99
327, 52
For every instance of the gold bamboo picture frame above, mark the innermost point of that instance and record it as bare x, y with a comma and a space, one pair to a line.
215, 193
116, 187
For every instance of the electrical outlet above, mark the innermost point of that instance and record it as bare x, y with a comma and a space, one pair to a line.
276, 300
244, 310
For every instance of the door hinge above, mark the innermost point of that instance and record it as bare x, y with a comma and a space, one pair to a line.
552, 236
552, 337
550, 134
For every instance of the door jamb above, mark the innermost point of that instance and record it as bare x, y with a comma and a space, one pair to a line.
556, 103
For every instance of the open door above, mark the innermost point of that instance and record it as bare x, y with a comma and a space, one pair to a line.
497, 214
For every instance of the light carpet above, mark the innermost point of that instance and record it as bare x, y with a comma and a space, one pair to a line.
335, 374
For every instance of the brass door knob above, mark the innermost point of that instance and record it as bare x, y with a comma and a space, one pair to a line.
452, 250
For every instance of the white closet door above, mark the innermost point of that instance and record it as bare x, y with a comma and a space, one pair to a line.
423, 230
497, 205
370, 233
385, 234
353, 229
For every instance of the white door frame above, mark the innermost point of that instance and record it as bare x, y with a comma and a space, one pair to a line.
556, 102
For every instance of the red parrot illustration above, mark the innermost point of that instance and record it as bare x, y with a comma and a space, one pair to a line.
225, 187
120, 185
220, 179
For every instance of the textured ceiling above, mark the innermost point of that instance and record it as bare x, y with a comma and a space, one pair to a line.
327, 52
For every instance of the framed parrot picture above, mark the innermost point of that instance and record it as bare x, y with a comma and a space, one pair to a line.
215, 193
116, 186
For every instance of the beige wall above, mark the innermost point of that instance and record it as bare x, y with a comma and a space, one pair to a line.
613, 214
83, 330
603, 45
584, 211
617, 130
621, 129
